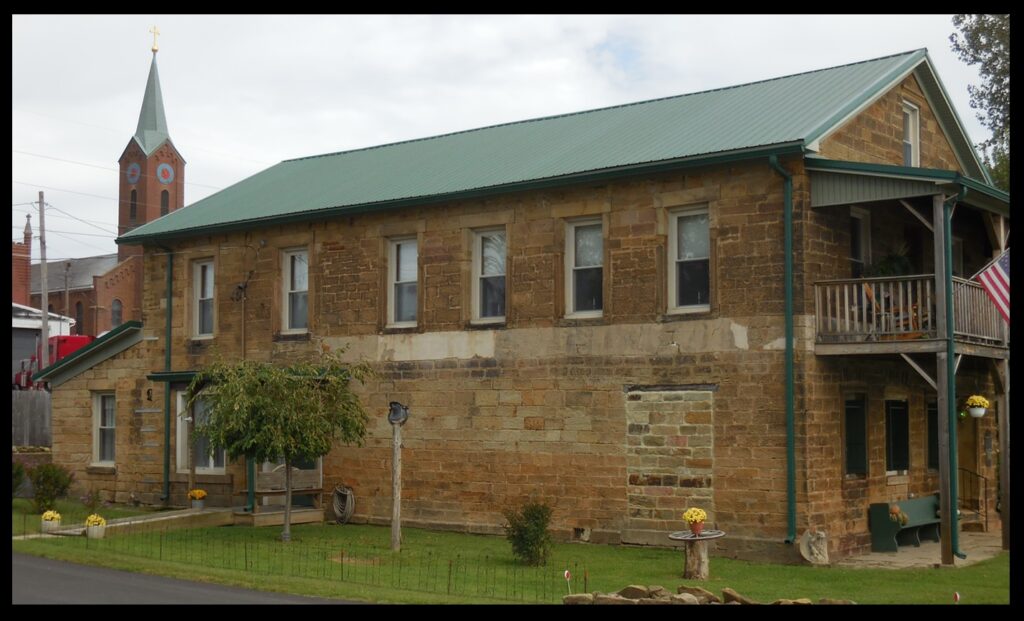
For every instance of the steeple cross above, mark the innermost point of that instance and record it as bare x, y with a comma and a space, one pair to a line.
156, 33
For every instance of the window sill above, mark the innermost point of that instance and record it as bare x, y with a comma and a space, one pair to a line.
683, 315
101, 469
580, 320
291, 336
489, 323
897, 478
399, 328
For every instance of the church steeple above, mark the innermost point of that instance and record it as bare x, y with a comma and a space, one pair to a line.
152, 129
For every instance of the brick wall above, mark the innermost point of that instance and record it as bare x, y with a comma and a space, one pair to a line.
20, 273
120, 283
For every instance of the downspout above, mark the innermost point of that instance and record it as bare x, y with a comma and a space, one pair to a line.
167, 367
947, 242
773, 161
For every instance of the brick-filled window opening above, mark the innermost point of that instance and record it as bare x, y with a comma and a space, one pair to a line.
402, 282
855, 428
165, 203
911, 135
690, 270
104, 416
208, 459
203, 287
133, 207
296, 290
860, 241
897, 437
116, 309
489, 254
585, 268
933, 435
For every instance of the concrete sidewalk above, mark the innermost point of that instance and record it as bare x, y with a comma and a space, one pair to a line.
977, 547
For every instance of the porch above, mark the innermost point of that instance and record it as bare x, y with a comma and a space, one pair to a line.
977, 546
897, 315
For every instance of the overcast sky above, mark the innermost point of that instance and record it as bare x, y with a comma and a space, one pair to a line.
242, 93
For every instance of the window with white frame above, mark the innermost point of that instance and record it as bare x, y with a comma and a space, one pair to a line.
296, 290
689, 273
584, 268
403, 262
860, 241
911, 135
104, 425
489, 253
203, 288
208, 460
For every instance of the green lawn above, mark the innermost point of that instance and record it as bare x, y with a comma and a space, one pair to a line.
355, 562
24, 519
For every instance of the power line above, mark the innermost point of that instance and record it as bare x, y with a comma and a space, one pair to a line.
111, 168
77, 241
33, 212
46, 187
67, 232
80, 220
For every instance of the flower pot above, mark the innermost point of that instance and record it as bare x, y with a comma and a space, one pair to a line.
696, 528
95, 532
198, 504
976, 412
50, 526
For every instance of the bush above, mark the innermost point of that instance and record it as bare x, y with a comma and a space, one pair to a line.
527, 531
17, 477
50, 482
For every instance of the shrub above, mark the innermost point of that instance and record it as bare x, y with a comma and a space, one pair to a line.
50, 482
527, 531
17, 477
91, 500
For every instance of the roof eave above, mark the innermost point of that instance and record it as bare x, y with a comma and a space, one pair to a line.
108, 345
792, 147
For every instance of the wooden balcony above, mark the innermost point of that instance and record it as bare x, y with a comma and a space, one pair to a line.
898, 315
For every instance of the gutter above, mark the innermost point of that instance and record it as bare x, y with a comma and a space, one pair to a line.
947, 242
167, 368
773, 161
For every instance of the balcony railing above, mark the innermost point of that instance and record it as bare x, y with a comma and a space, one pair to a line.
901, 308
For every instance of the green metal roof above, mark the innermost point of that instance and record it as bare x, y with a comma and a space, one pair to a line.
771, 116
152, 129
108, 345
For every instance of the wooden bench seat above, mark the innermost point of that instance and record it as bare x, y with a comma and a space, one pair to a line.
888, 534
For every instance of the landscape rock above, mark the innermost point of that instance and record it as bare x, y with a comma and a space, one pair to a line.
634, 591
705, 596
834, 602
732, 596
655, 601
683, 598
658, 591
578, 599
612, 599
788, 602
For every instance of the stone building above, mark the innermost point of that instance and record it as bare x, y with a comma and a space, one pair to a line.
592, 310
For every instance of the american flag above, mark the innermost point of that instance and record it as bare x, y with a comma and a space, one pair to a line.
996, 281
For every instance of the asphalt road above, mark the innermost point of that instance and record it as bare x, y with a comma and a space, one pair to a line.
37, 580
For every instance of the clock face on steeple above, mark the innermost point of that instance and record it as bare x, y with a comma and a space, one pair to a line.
133, 173
165, 173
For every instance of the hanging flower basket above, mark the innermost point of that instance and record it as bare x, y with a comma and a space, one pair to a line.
976, 412
976, 405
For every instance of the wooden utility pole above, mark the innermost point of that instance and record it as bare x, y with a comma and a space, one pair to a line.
396, 488
44, 336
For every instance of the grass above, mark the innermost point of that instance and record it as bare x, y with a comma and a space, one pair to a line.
355, 562
25, 520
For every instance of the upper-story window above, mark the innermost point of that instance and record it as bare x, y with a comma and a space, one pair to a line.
403, 264
296, 290
584, 268
116, 311
203, 287
689, 273
860, 241
911, 135
165, 203
489, 253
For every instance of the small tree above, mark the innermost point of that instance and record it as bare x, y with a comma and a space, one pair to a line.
266, 412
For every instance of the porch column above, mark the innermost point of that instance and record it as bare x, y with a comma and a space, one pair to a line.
943, 376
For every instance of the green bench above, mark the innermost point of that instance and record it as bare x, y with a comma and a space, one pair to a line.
922, 523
